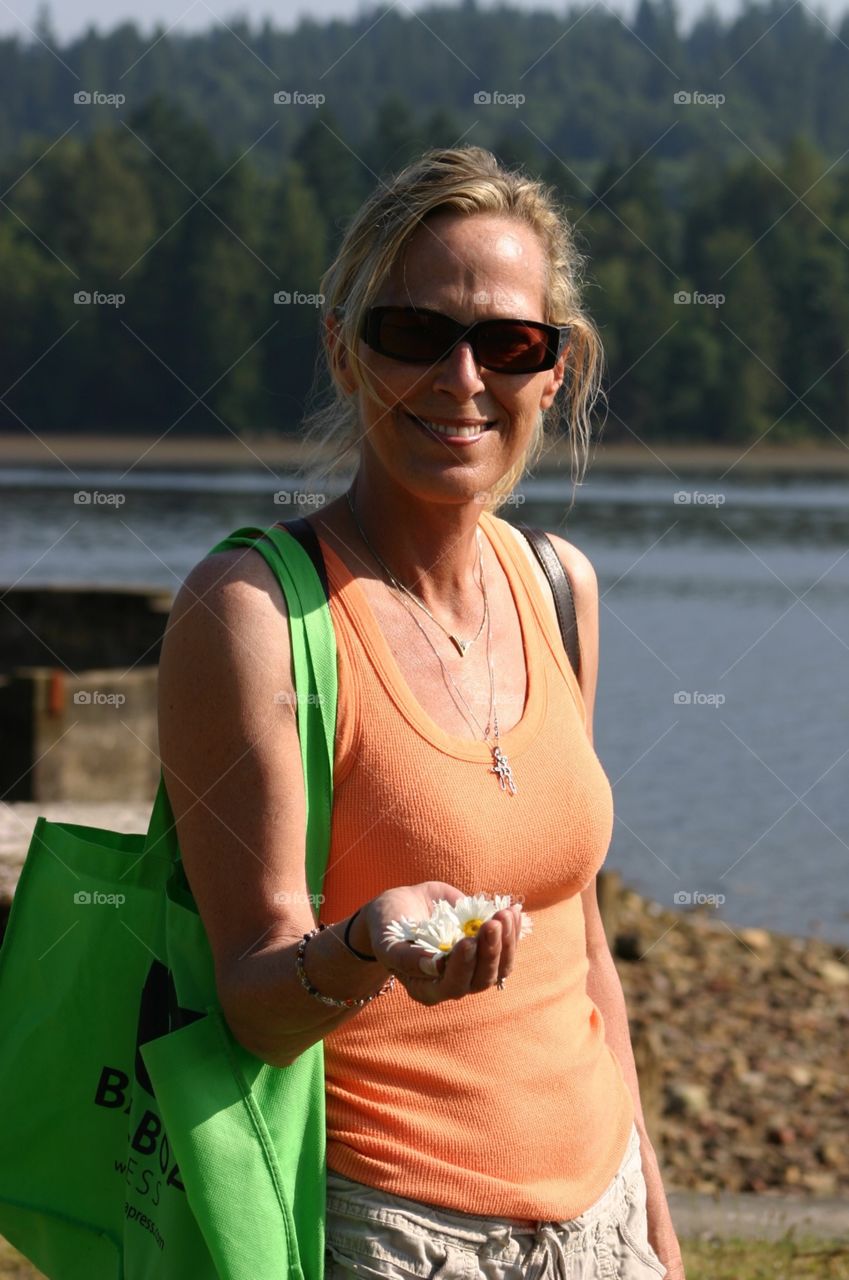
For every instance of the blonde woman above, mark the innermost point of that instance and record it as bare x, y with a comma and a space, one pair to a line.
483, 1110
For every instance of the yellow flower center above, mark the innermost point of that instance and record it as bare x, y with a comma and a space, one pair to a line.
445, 946
471, 927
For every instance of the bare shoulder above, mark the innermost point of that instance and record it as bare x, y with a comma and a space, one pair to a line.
241, 575
230, 604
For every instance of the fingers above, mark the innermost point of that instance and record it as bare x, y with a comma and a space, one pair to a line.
459, 971
489, 942
496, 950
454, 973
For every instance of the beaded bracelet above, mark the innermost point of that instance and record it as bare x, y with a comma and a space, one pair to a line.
350, 1003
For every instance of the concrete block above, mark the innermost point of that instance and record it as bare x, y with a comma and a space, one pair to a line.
91, 736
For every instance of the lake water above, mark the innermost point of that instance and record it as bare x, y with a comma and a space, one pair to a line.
721, 713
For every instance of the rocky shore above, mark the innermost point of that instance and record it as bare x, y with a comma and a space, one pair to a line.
740, 1038
740, 1035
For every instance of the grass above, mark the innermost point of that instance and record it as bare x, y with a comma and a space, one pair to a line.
805, 1258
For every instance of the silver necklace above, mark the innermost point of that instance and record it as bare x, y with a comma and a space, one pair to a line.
462, 646
500, 764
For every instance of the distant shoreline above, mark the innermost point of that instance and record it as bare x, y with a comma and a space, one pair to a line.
147, 452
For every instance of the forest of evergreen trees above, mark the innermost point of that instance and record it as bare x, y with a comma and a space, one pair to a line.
190, 204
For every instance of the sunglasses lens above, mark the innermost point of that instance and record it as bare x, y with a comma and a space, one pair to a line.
410, 335
513, 347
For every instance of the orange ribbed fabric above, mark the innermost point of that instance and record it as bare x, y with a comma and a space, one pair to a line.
506, 1103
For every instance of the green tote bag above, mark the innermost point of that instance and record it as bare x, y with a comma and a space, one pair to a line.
139, 1139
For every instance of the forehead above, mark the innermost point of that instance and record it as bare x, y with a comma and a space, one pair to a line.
480, 263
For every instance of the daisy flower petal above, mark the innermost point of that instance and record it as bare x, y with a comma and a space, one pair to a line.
439, 934
403, 930
444, 911
429, 947
472, 912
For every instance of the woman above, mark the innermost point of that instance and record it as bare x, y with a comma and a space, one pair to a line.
474, 1125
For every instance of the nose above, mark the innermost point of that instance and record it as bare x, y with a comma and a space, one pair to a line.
458, 373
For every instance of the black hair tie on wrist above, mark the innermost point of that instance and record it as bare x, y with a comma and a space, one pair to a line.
358, 954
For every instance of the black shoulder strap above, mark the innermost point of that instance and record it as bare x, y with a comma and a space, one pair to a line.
306, 536
561, 589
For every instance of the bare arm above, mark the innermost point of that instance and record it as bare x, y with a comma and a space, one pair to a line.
232, 765
603, 984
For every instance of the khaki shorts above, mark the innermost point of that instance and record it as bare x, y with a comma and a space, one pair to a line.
378, 1236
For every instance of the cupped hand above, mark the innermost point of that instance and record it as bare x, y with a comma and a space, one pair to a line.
472, 965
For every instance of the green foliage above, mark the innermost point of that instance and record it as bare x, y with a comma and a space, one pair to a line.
204, 203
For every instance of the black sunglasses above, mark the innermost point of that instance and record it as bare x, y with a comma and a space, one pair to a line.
419, 336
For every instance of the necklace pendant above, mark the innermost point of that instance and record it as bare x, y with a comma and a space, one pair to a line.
462, 645
501, 767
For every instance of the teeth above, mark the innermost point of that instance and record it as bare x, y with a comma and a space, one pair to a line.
451, 431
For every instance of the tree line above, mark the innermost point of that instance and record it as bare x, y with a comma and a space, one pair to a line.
590, 79
159, 266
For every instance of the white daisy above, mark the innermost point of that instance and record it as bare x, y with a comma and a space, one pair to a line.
403, 930
439, 934
473, 911
449, 924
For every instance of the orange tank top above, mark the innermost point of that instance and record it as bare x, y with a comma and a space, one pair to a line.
506, 1103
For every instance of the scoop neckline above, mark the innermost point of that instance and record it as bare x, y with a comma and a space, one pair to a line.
514, 741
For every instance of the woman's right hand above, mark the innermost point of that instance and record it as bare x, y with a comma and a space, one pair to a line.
472, 965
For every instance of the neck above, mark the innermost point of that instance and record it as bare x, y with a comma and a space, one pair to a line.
430, 548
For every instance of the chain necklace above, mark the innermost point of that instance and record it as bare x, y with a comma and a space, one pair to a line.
500, 764
462, 646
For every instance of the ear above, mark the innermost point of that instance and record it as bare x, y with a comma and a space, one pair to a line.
554, 380
338, 352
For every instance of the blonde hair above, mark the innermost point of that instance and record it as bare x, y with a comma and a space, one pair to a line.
468, 180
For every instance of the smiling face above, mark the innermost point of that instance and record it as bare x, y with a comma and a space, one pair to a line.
470, 268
